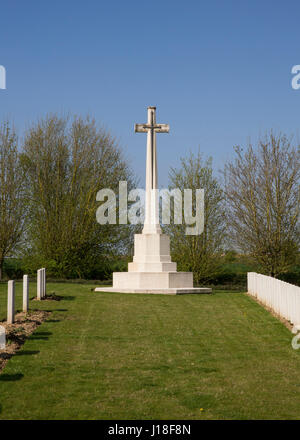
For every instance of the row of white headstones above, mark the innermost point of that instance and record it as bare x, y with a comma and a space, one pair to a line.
41, 293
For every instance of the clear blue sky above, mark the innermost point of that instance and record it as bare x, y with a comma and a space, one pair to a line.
219, 72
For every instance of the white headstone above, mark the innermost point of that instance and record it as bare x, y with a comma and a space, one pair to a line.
25, 293
44, 282
39, 285
2, 337
11, 302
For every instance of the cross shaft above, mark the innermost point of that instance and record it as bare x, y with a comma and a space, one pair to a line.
151, 209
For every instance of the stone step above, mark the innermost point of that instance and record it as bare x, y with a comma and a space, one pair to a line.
152, 280
152, 267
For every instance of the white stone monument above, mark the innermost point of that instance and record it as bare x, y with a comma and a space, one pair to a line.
25, 293
39, 284
152, 270
2, 337
11, 302
44, 283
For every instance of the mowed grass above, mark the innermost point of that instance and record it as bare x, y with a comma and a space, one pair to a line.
118, 356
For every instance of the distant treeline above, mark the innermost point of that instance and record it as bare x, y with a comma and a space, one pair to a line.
231, 272
48, 185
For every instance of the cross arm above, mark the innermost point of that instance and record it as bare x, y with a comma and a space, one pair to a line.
158, 128
140, 128
162, 128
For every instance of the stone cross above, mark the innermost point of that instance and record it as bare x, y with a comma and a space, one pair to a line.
152, 270
151, 224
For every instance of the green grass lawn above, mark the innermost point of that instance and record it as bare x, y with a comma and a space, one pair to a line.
118, 356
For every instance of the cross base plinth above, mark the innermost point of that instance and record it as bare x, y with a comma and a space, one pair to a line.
152, 270
152, 254
171, 291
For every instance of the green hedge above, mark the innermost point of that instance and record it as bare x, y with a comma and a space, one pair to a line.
290, 277
102, 270
98, 270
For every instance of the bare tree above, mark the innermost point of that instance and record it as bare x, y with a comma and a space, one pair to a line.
263, 195
199, 253
12, 208
67, 163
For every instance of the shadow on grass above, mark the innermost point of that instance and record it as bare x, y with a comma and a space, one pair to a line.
53, 320
54, 297
40, 335
11, 377
36, 321
26, 352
